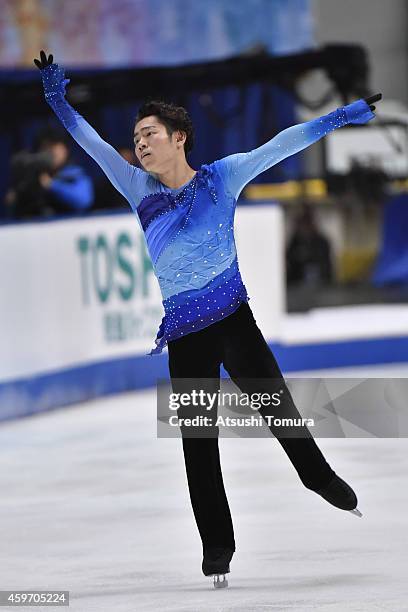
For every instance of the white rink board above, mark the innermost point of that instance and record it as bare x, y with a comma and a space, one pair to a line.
83, 290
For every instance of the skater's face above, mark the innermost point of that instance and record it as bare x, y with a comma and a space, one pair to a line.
155, 149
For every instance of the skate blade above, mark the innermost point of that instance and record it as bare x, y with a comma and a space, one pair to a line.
356, 512
218, 583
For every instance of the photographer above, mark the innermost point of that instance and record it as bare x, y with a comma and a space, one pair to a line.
308, 255
47, 182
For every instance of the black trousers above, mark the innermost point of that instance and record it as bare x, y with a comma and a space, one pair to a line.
238, 344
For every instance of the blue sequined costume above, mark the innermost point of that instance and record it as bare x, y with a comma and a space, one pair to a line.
189, 231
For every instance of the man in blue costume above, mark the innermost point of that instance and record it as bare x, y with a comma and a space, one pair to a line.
187, 217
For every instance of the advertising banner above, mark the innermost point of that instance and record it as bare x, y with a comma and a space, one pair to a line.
81, 291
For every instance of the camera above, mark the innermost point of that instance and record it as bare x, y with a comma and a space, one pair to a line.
26, 168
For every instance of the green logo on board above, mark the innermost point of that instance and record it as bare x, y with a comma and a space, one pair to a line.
118, 266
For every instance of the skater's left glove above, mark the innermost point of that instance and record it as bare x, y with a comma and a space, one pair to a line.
375, 98
361, 111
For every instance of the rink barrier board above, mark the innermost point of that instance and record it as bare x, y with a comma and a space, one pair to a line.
25, 397
82, 291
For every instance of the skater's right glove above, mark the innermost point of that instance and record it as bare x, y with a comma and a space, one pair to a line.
44, 61
54, 83
53, 76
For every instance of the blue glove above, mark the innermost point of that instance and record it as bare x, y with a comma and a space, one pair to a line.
54, 83
361, 111
53, 77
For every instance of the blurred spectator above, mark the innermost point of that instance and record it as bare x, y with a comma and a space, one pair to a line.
47, 182
106, 196
308, 256
361, 185
369, 183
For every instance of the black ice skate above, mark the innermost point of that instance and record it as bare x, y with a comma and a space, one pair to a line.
216, 563
340, 494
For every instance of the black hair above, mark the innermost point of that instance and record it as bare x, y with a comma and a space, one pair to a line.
173, 117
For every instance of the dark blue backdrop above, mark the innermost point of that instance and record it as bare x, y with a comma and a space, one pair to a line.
237, 119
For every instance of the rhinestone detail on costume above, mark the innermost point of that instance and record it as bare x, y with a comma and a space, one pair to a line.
196, 265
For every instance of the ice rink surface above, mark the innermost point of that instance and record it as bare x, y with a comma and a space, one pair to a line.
94, 503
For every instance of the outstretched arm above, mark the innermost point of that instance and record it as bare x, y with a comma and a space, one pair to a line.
127, 179
238, 169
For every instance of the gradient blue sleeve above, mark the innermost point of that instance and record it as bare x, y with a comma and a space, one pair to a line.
127, 179
239, 169
73, 187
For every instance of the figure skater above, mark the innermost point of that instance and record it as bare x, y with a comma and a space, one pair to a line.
187, 217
